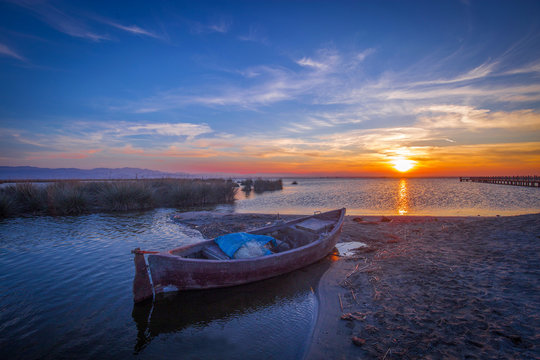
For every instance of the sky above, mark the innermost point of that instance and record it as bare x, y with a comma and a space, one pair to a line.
300, 88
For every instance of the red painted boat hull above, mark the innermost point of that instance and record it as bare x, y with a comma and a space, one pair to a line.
173, 272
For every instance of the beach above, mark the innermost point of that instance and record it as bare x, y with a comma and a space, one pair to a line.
424, 287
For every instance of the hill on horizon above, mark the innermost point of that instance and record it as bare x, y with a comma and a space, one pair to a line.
37, 173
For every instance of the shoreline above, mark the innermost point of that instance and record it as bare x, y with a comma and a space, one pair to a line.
431, 286
452, 286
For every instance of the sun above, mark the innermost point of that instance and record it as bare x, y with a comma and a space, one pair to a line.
403, 165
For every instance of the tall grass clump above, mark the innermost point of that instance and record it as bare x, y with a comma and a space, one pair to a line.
68, 198
247, 184
30, 198
261, 185
8, 203
125, 196
189, 193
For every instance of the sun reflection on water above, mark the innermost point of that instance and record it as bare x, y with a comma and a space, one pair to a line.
403, 201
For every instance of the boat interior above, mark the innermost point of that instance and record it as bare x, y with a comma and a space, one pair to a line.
288, 235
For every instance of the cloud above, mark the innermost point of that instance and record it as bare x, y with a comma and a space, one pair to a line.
326, 60
336, 81
182, 129
221, 26
348, 151
312, 63
364, 54
77, 26
530, 68
470, 119
132, 29
61, 21
6, 51
478, 72
254, 35
274, 84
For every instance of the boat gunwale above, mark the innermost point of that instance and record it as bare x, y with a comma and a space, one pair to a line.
329, 235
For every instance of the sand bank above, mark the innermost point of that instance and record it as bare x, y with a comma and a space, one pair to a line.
424, 287
429, 287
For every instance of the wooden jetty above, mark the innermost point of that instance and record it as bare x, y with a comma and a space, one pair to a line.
531, 181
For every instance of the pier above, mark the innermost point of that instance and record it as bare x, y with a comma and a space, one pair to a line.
531, 181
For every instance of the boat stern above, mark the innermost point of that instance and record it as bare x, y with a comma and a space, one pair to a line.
142, 288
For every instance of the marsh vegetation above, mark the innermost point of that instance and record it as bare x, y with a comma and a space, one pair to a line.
261, 185
79, 197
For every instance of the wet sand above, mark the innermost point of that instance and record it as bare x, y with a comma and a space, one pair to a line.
425, 287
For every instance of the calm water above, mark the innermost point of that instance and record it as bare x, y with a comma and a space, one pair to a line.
65, 282
65, 292
440, 197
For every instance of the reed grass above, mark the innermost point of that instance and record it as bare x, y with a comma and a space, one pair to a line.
79, 197
29, 198
125, 196
8, 205
67, 198
261, 185
247, 184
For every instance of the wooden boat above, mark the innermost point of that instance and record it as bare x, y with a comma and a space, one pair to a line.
203, 265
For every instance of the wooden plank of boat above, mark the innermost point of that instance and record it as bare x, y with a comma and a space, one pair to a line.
190, 267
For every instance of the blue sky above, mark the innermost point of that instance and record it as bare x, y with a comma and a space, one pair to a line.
272, 87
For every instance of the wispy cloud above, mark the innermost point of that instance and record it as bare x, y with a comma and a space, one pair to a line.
6, 51
325, 60
183, 129
78, 25
530, 68
221, 26
364, 54
132, 29
333, 150
60, 20
478, 72
255, 34
312, 63
335, 81
275, 84
471, 119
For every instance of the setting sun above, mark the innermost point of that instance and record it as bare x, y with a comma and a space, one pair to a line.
403, 165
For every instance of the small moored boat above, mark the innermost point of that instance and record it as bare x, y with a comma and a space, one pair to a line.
296, 243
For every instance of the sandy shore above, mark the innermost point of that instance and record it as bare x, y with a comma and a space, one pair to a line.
425, 287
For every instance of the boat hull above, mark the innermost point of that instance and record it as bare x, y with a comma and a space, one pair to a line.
170, 272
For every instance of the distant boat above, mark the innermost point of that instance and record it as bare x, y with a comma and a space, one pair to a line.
294, 183
205, 265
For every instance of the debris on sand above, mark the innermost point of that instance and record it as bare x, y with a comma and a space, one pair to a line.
354, 316
358, 341
347, 248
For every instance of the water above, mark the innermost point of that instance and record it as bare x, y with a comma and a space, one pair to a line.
65, 292
65, 282
438, 197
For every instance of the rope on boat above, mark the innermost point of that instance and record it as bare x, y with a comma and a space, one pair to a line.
139, 251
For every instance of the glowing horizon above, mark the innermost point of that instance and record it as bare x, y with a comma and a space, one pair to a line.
344, 89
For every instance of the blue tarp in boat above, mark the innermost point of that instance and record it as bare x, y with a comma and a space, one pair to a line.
230, 243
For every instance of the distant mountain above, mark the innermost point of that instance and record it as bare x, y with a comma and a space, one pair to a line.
33, 173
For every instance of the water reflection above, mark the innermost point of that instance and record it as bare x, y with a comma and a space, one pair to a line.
439, 197
270, 318
403, 200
